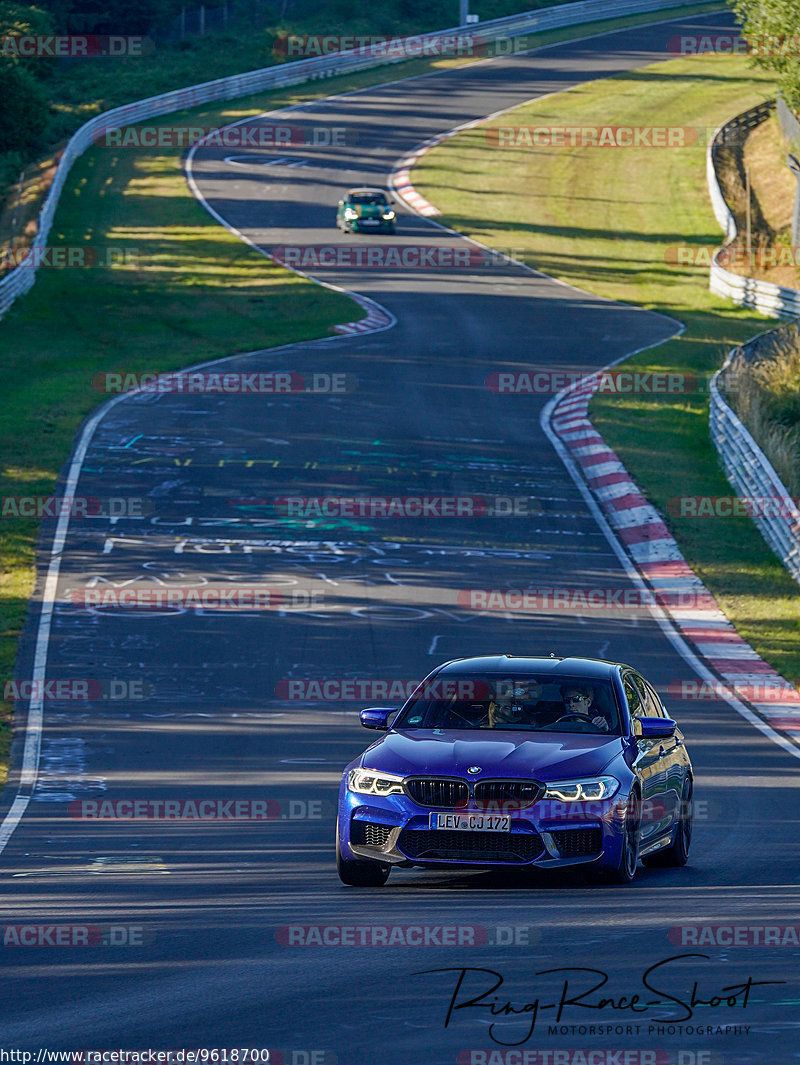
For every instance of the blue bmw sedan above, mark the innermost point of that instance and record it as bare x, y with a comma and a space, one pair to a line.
508, 761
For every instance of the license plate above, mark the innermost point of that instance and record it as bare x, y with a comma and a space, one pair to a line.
472, 822
370, 222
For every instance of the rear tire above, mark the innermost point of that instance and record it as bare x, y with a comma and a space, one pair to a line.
360, 872
678, 853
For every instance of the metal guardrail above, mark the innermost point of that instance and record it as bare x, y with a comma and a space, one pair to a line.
747, 468
789, 123
764, 296
22, 278
750, 472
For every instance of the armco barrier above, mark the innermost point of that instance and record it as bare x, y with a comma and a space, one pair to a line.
22, 278
789, 124
770, 299
749, 470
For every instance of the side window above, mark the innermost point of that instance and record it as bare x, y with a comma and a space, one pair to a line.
649, 699
633, 697
653, 707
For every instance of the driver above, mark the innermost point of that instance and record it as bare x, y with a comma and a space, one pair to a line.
514, 703
578, 699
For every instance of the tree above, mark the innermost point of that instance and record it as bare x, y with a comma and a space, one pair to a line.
23, 110
772, 28
17, 20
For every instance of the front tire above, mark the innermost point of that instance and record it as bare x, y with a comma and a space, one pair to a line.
360, 872
678, 853
629, 859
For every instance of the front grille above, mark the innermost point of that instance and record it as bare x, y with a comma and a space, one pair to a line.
505, 795
438, 792
578, 842
367, 834
443, 845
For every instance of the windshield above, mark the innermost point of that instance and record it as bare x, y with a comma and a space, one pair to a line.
376, 199
532, 702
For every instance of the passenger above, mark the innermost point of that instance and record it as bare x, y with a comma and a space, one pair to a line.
515, 703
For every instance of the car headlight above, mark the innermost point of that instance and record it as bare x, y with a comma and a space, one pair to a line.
350, 213
591, 788
388, 215
371, 782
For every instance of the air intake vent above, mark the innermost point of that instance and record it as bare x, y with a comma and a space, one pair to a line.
367, 834
506, 795
438, 792
578, 842
513, 848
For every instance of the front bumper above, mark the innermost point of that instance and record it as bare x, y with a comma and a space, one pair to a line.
362, 225
396, 831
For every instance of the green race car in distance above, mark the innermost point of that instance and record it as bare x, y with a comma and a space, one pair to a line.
365, 209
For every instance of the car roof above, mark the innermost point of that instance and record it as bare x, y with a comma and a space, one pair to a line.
590, 668
366, 188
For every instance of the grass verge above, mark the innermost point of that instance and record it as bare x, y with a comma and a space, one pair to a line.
198, 294
610, 221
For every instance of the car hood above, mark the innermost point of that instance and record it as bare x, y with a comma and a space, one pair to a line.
369, 210
543, 755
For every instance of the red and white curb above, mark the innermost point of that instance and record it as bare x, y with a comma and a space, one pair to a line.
377, 317
657, 558
400, 178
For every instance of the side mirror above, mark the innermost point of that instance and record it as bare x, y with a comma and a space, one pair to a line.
654, 728
377, 717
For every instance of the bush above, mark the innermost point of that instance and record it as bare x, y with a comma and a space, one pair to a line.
17, 20
23, 111
761, 384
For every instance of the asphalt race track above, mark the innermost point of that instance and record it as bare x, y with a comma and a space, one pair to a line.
189, 943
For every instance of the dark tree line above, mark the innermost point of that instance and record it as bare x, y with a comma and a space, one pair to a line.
773, 29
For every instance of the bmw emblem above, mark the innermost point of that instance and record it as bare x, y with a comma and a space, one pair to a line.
474, 769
